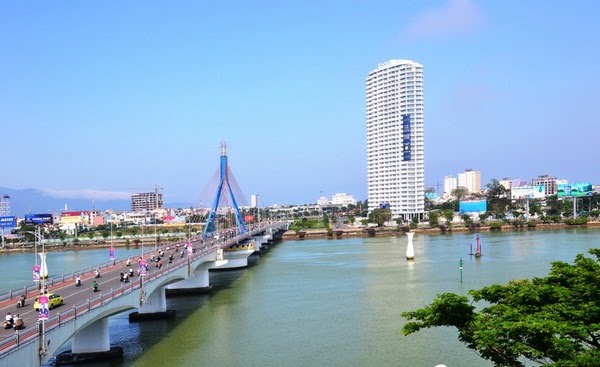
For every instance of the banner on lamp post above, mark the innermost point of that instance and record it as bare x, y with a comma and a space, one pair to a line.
36, 273
143, 266
43, 310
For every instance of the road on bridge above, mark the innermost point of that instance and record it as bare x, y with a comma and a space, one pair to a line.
109, 279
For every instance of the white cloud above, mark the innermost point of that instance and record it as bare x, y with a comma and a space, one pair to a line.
87, 194
457, 17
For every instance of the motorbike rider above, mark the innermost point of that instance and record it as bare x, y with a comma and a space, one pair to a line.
77, 281
21, 301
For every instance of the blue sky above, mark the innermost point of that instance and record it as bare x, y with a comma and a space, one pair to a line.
119, 96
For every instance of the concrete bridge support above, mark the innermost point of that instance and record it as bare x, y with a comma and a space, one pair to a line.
259, 244
236, 259
92, 339
154, 307
155, 302
199, 280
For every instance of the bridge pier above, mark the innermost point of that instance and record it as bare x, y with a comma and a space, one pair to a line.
259, 244
93, 338
153, 308
90, 343
198, 282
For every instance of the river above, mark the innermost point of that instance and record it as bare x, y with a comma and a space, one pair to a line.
326, 302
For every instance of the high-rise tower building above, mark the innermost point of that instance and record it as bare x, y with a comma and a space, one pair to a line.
395, 138
4, 205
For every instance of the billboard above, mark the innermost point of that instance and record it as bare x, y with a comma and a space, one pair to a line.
473, 206
575, 190
8, 222
528, 192
38, 219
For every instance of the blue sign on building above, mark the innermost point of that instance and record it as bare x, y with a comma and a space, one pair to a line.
473, 206
406, 149
8, 222
38, 219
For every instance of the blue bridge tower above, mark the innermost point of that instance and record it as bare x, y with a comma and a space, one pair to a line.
224, 191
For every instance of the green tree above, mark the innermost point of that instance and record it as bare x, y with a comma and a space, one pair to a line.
460, 193
351, 219
325, 220
448, 214
498, 198
380, 216
434, 219
555, 206
553, 321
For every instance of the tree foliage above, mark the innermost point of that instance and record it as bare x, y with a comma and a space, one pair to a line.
498, 198
434, 219
380, 216
553, 321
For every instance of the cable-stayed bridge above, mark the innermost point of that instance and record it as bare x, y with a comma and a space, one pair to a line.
83, 319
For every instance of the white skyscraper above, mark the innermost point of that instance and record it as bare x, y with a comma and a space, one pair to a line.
395, 138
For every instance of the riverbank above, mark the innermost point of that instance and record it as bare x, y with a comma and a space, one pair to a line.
289, 235
84, 245
394, 231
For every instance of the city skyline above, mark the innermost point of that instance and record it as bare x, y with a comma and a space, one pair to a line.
98, 99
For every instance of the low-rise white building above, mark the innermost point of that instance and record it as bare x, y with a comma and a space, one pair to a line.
343, 199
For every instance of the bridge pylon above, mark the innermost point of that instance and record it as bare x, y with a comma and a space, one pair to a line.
224, 193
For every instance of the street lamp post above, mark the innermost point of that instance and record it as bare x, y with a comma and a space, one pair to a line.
43, 274
258, 209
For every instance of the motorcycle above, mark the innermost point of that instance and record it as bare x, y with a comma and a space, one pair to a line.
97, 274
95, 288
21, 302
77, 282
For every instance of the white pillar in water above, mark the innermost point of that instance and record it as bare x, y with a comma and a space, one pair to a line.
155, 302
410, 251
94, 338
43, 267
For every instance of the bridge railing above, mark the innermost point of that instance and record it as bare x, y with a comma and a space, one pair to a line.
32, 333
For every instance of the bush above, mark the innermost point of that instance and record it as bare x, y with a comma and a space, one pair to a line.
532, 224
496, 226
406, 228
577, 221
518, 223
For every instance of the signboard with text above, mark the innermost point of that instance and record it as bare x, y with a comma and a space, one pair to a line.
527, 192
575, 190
8, 222
34, 219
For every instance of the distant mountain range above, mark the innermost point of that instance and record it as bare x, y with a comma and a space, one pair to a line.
41, 201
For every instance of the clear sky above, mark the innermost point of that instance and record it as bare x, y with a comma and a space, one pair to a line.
117, 96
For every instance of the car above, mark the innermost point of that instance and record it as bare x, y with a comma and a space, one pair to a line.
54, 300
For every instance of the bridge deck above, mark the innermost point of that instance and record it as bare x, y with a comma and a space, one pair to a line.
79, 300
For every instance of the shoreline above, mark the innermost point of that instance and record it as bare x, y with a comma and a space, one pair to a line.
292, 235
393, 231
